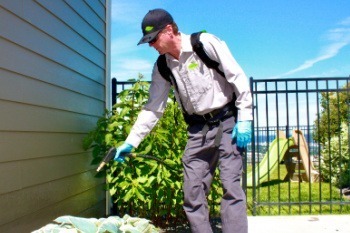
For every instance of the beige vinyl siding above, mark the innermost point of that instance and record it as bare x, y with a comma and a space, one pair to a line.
53, 69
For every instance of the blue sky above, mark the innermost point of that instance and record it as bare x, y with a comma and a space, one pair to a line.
269, 39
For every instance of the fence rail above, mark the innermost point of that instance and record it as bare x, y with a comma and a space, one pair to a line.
299, 159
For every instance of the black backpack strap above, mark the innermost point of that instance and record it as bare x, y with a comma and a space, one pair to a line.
166, 73
198, 48
163, 68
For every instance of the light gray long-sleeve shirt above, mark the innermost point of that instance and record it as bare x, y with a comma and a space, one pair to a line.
200, 88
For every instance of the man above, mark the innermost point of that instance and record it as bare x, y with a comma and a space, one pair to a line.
218, 110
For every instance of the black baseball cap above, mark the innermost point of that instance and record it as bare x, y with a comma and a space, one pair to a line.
153, 22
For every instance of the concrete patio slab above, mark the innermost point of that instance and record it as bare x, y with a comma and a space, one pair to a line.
300, 224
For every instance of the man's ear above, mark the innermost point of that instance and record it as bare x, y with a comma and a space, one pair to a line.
169, 29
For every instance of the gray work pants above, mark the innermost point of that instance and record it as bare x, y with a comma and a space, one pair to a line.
200, 160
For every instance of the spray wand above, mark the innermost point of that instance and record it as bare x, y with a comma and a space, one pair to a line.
111, 154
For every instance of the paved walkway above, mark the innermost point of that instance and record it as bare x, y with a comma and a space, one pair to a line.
299, 224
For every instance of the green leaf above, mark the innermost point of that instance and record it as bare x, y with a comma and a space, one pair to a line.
128, 195
96, 151
142, 179
124, 184
112, 191
129, 229
147, 149
159, 177
150, 180
139, 195
111, 224
96, 160
170, 162
143, 225
87, 141
82, 224
128, 129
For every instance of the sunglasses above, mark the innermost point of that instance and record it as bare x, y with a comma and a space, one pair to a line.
154, 40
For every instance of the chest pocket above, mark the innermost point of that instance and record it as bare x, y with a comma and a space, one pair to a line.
199, 76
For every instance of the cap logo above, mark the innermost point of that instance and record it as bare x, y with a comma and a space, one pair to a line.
149, 28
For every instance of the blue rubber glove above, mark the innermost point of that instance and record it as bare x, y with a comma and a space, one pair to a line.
121, 151
243, 132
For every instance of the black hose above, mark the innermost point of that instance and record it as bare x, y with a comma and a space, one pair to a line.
111, 154
154, 158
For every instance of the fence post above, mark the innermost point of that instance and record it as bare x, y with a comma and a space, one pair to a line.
252, 151
114, 91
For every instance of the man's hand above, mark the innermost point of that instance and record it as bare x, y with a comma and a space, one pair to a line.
121, 151
243, 132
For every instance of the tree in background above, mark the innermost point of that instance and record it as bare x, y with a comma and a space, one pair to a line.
332, 132
335, 109
335, 162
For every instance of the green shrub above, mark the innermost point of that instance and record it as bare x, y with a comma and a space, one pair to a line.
139, 186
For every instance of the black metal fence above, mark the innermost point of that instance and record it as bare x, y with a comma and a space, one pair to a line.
299, 157
298, 161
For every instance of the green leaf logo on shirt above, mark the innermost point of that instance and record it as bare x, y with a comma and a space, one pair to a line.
192, 66
148, 28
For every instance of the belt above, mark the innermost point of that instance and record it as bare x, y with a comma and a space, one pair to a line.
213, 115
215, 118
212, 118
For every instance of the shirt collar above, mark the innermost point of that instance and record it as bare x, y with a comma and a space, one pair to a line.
186, 43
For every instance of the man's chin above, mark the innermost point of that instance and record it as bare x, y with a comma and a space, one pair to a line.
160, 52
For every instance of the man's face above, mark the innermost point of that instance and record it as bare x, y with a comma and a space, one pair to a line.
160, 42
